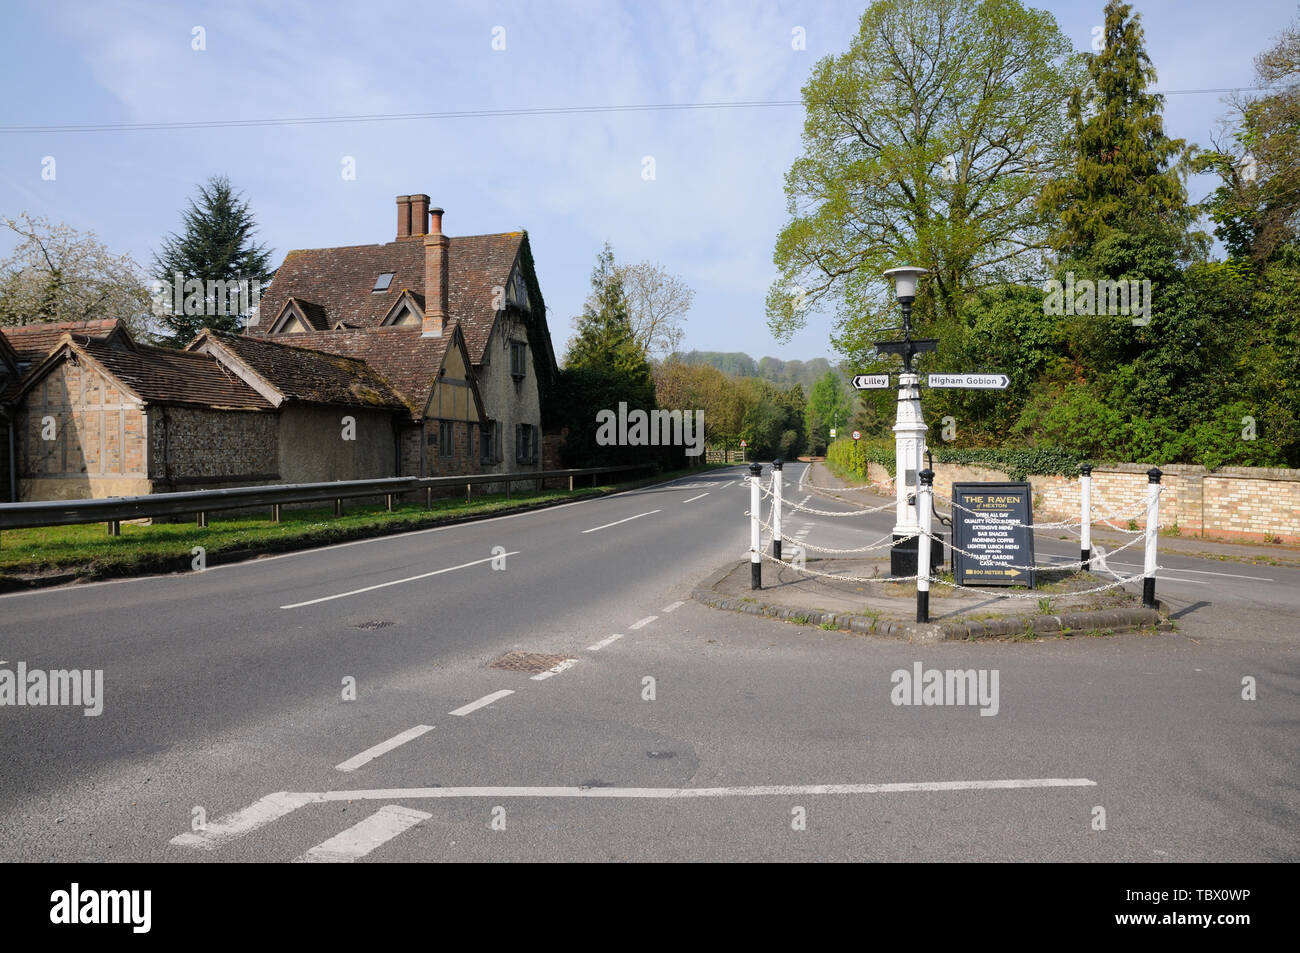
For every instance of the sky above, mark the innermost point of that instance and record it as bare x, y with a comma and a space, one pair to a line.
710, 213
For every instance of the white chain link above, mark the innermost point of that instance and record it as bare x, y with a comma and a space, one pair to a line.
1119, 581
1079, 564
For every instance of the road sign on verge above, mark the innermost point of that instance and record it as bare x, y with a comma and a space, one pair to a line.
998, 534
857, 435
871, 381
832, 433
976, 381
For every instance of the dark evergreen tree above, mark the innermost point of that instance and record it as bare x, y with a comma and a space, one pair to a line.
1125, 173
605, 367
216, 245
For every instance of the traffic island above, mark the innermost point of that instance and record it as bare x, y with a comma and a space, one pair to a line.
862, 600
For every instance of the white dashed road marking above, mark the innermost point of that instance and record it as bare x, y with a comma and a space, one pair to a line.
360, 839
482, 702
370, 754
671, 606
694, 498
643, 622
604, 642
616, 522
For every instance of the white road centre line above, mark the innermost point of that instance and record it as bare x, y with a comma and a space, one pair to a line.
278, 805
643, 622
555, 670
370, 754
694, 498
397, 582
764, 790
616, 522
727, 484
360, 839
256, 815
673, 606
604, 642
482, 702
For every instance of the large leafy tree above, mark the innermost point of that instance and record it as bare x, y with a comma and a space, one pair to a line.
926, 143
56, 273
217, 243
1256, 209
657, 303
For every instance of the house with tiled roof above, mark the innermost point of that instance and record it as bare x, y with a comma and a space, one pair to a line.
22, 347
402, 306
106, 416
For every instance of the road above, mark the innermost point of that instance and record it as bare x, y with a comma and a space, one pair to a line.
663, 731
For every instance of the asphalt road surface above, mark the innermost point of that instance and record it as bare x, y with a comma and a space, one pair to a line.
338, 705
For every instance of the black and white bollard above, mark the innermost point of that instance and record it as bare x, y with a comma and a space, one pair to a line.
776, 508
1153, 529
755, 528
1085, 516
925, 518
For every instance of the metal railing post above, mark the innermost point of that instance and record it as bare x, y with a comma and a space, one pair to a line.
1085, 517
1153, 532
755, 528
925, 519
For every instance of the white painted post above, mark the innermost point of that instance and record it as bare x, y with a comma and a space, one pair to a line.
1085, 516
1153, 530
925, 490
776, 507
909, 449
755, 528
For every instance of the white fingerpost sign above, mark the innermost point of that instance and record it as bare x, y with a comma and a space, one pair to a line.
969, 381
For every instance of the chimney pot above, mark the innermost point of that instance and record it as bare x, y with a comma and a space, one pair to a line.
419, 215
435, 277
403, 216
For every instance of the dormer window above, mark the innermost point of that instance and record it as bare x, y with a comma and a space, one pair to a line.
382, 283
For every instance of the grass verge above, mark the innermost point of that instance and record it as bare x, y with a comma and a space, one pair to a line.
59, 553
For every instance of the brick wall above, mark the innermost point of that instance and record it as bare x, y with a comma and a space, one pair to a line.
1245, 503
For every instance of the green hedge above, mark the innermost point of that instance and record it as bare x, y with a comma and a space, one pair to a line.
850, 457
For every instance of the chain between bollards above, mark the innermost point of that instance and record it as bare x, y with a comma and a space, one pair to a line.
1153, 530
755, 527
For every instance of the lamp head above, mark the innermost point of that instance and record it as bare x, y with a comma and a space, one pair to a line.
904, 279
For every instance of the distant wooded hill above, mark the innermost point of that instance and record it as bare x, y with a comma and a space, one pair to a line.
782, 373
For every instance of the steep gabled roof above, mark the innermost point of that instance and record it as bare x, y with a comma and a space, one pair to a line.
157, 375
407, 360
298, 373
340, 281
32, 342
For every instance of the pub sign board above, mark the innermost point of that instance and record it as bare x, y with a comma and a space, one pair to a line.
997, 533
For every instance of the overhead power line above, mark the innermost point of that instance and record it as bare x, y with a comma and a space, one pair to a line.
463, 114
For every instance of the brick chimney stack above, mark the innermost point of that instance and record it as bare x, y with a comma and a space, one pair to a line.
403, 217
419, 215
435, 275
